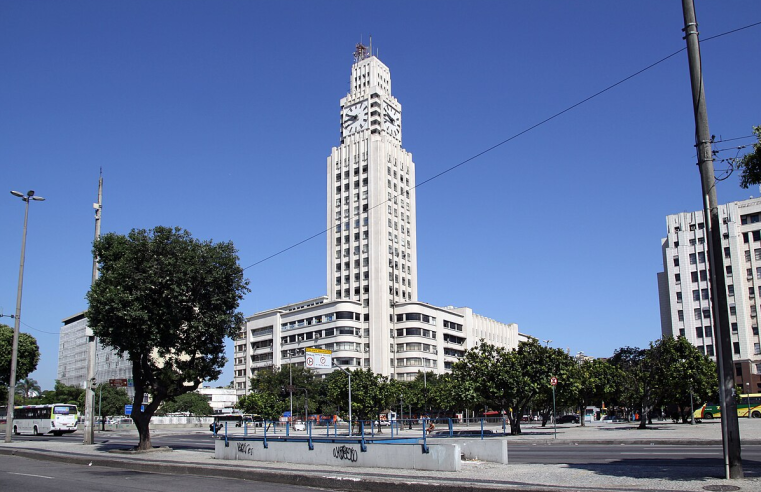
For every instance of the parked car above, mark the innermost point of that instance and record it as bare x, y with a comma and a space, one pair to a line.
569, 419
612, 418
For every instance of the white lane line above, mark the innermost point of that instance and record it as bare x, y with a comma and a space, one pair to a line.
671, 454
29, 475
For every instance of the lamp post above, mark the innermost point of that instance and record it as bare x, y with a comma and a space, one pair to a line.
547, 342
17, 319
348, 373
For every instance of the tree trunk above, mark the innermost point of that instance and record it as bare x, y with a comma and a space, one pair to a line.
144, 432
515, 426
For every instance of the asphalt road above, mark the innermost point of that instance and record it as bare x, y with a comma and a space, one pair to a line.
18, 473
661, 455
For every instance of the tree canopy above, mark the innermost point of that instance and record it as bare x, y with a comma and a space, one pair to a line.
28, 355
166, 302
192, 403
750, 164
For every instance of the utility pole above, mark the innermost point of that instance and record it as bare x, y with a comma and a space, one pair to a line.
89, 437
730, 430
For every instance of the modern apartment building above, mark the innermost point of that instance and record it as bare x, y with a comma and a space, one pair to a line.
684, 292
371, 316
72, 357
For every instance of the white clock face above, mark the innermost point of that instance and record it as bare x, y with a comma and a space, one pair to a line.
392, 121
355, 118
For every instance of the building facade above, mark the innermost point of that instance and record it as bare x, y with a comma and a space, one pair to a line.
371, 317
72, 357
684, 291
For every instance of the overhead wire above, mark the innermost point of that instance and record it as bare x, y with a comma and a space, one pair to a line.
516, 135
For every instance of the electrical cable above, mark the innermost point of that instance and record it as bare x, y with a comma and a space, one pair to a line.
513, 137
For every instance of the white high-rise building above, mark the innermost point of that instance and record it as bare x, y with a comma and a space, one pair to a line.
370, 317
684, 291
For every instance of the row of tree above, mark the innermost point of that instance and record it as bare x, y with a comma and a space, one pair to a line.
667, 374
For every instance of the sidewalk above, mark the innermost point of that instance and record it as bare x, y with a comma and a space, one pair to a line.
475, 475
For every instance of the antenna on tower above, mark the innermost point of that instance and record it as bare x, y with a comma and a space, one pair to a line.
371, 45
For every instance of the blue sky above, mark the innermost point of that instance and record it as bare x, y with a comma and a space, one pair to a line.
218, 117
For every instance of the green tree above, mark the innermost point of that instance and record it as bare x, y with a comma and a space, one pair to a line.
28, 388
275, 382
193, 403
750, 164
166, 302
598, 381
63, 394
564, 368
27, 357
109, 401
370, 393
268, 405
638, 386
681, 372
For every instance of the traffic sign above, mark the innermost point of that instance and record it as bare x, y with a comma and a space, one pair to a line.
118, 383
554, 381
318, 358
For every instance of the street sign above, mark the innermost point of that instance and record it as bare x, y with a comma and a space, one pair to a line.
128, 409
554, 381
318, 358
118, 383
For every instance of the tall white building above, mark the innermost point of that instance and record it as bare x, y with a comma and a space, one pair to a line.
684, 292
370, 317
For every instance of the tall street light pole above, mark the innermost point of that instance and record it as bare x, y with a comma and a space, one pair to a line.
89, 437
348, 373
17, 319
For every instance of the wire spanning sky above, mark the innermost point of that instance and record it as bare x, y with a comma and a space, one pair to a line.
218, 117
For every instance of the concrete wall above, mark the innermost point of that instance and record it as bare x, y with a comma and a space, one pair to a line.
492, 450
441, 457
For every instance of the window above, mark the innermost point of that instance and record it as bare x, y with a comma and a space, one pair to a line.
731, 290
696, 295
732, 310
706, 314
755, 330
728, 254
709, 350
747, 255
696, 314
707, 331
694, 277
729, 270
703, 275
681, 332
704, 294
699, 331
680, 315
693, 258
736, 348
678, 278
757, 235
757, 348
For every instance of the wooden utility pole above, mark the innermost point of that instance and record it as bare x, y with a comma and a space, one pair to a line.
730, 430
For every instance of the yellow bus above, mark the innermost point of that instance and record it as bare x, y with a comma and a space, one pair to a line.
747, 404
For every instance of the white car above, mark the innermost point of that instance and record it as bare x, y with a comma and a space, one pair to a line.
299, 426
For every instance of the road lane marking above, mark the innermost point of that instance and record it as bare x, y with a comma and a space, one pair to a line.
29, 475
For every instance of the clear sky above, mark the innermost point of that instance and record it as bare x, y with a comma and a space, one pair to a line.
218, 117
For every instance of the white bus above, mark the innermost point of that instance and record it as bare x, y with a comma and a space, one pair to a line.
56, 419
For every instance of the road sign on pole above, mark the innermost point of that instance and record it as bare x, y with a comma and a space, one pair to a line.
318, 358
554, 381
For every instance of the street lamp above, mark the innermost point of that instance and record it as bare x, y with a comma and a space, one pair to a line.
348, 373
17, 319
547, 342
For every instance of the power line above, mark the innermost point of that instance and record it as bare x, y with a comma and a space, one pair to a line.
513, 137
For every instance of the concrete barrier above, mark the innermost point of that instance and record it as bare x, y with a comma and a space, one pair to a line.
441, 457
493, 450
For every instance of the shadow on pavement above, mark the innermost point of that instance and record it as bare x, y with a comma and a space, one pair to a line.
685, 469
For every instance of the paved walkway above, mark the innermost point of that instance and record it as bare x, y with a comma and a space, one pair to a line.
475, 475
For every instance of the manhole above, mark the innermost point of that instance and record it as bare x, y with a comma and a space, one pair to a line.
721, 488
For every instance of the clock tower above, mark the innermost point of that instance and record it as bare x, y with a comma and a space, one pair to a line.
372, 259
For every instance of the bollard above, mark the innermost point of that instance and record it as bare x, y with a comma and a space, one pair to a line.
309, 428
482, 428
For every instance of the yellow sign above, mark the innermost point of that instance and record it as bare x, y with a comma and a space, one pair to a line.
318, 351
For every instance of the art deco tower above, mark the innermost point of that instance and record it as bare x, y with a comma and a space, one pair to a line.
371, 207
